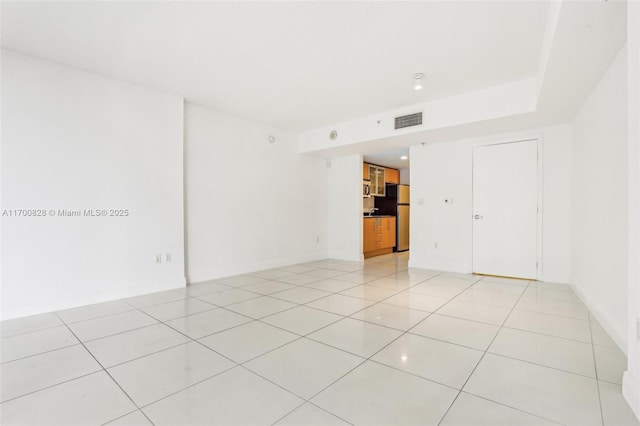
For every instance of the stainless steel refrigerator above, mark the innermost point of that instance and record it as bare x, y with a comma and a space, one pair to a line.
396, 203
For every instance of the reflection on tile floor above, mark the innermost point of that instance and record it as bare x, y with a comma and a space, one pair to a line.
326, 342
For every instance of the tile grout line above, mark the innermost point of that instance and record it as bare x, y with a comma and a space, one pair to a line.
106, 371
595, 367
483, 355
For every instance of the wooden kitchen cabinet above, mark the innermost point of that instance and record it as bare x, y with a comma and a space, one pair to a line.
388, 232
379, 235
392, 176
365, 171
376, 174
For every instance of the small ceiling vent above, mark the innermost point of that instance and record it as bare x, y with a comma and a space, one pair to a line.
408, 120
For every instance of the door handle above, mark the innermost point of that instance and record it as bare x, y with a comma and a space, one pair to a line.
478, 216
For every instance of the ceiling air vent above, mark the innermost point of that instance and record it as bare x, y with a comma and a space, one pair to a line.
408, 120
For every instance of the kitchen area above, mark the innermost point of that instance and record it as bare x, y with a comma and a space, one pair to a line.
385, 208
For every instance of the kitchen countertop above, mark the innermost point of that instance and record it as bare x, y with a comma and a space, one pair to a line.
366, 216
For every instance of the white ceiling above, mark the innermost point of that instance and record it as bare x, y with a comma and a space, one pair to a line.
294, 65
300, 65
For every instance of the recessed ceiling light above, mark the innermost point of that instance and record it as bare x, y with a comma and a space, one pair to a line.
404, 157
418, 84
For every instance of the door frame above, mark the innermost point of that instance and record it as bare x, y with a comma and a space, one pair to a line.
540, 184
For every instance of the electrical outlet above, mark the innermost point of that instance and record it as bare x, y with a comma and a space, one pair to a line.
435, 245
158, 259
167, 257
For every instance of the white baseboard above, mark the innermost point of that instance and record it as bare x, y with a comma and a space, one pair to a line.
247, 268
631, 392
439, 266
605, 320
113, 293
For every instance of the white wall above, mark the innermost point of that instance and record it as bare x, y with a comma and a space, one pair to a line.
631, 378
599, 190
405, 176
444, 170
345, 208
74, 140
250, 204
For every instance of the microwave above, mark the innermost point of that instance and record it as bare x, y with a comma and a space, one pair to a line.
366, 188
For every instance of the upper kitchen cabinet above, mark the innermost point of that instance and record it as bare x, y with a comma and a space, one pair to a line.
376, 174
365, 171
392, 176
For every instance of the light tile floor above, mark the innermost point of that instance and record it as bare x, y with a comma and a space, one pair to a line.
326, 342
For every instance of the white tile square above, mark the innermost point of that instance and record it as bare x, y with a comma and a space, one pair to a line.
236, 397
298, 269
92, 399
358, 337
492, 298
156, 298
47, 369
302, 320
260, 307
392, 316
229, 297
504, 288
421, 302
177, 309
341, 305
300, 295
299, 279
83, 313
133, 344
309, 414
155, 376
374, 394
207, 287
28, 324
367, 292
475, 312
436, 290
267, 287
272, 274
390, 283
557, 395
414, 276
35, 342
106, 326
563, 354
137, 418
567, 328
472, 410
473, 334
441, 362
356, 278
247, 341
561, 294
304, 367
240, 280
325, 273
331, 285
209, 322
554, 307
615, 409
600, 336
610, 364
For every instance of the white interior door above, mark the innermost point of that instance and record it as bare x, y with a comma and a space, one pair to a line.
505, 209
